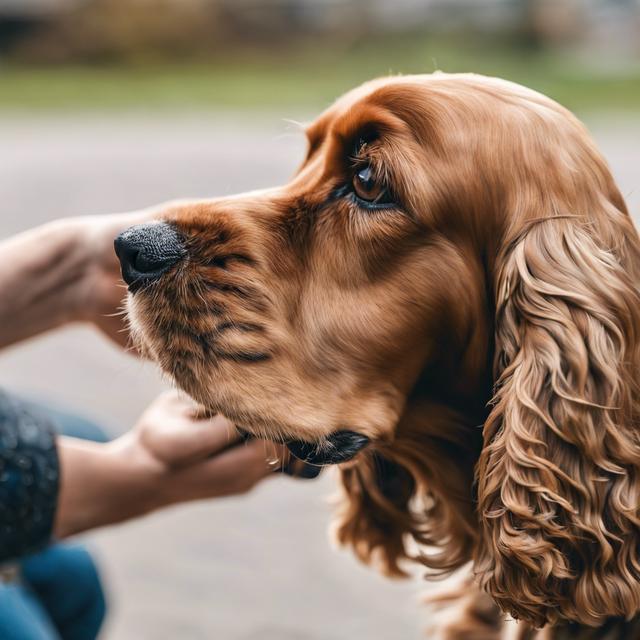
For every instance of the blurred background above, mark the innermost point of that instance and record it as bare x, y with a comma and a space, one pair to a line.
110, 105
159, 54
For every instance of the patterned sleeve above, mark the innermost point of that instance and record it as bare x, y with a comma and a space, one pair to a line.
29, 477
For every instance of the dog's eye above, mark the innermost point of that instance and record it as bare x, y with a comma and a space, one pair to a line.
368, 188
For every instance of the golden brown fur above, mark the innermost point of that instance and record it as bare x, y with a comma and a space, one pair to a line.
482, 332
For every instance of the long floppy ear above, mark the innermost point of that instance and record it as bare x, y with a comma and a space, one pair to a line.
374, 515
412, 498
559, 474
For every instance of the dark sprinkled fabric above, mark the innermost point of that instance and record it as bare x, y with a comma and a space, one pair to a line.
29, 478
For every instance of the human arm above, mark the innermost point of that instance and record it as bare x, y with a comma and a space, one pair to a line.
64, 271
170, 456
61, 485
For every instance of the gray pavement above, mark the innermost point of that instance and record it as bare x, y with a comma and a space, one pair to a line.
255, 568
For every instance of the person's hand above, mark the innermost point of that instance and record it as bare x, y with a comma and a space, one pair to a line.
171, 455
101, 292
196, 457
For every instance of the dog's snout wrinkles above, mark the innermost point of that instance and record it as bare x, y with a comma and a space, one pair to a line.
146, 251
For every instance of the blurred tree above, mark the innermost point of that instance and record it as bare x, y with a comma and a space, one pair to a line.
144, 30
547, 22
108, 30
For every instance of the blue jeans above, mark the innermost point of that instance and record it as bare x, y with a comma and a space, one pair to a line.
59, 595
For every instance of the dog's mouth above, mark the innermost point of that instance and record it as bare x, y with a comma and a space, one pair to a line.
338, 447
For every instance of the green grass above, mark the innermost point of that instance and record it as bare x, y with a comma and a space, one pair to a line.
311, 77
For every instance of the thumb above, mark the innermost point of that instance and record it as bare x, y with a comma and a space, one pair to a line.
233, 471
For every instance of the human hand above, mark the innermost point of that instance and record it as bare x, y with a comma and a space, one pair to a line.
171, 455
198, 457
101, 292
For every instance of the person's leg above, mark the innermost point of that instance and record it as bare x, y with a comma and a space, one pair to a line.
22, 617
69, 424
65, 580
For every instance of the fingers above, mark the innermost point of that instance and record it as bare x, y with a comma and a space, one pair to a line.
203, 455
234, 471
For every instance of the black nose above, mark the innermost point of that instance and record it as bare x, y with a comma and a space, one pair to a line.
146, 251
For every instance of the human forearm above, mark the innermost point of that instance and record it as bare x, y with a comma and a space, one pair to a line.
65, 271
40, 278
103, 484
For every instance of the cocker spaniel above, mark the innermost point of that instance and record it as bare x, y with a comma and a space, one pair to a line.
445, 301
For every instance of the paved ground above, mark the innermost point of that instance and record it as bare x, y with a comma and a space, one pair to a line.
258, 568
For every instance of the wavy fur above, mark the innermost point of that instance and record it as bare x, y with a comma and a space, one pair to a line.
559, 475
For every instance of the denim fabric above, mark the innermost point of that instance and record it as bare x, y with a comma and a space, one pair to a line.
59, 597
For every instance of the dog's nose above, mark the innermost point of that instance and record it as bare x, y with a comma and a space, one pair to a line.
146, 251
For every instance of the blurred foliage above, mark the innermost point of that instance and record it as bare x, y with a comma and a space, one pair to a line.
311, 75
117, 31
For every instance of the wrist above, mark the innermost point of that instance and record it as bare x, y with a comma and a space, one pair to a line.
140, 482
103, 484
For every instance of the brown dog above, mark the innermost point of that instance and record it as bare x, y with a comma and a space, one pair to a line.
450, 243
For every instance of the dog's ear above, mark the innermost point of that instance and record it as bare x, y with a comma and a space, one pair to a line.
559, 474
373, 515
412, 499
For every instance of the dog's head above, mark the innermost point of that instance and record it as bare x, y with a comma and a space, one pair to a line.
444, 234
310, 310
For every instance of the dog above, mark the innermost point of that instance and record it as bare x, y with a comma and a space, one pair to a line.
444, 302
